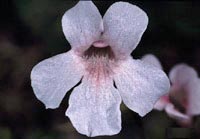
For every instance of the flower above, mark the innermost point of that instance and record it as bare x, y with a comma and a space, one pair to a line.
182, 102
100, 59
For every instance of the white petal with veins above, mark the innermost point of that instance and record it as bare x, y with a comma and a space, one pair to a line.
82, 25
124, 25
53, 77
140, 85
94, 108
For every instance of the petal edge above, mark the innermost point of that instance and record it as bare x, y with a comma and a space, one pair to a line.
95, 111
50, 79
140, 85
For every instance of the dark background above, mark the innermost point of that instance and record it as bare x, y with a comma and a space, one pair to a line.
30, 31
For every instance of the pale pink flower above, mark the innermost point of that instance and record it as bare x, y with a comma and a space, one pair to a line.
100, 59
183, 100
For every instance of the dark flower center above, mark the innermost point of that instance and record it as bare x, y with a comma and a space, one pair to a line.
99, 63
105, 52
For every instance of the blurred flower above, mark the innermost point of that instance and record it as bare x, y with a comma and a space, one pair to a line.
182, 102
100, 58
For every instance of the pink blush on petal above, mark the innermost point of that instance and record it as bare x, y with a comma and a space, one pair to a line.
165, 99
100, 44
162, 103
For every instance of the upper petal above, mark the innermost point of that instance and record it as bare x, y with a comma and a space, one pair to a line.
82, 25
181, 74
152, 59
124, 25
193, 94
53, 77
140, 85
94, 109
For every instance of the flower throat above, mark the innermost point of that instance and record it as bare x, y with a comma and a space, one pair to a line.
99, 62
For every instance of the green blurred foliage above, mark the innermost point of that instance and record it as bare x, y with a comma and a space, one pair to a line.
5, 133
155, 125
44, 19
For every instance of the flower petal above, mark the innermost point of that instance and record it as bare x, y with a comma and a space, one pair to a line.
124, 25
162, 103
151, 59
53, 77
82, 25
193, 93
181, 74
140, 85
94, 109
175, 114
